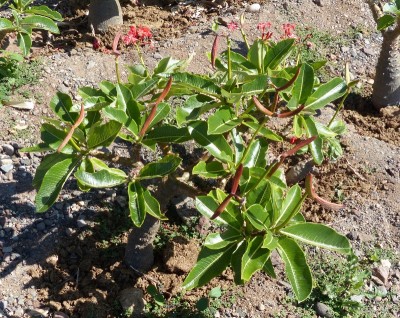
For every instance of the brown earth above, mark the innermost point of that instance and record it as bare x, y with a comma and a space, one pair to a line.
77, 270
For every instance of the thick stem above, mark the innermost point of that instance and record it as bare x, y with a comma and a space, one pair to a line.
386, 88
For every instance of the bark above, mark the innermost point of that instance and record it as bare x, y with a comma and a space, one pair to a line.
386, 88
104, 13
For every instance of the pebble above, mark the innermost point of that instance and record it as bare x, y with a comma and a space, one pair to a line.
261, 307
157, 56
323, 310
3, 304
5, 161
19, 312
255, 7
357, 298
41, 226
368, 51
81, 223
6, 168
59, 314
7, 249
8, 149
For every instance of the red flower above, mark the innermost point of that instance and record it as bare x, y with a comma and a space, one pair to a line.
293, 140
288, 29
144, 33
141, 34
96, 44
262, 26
232, 26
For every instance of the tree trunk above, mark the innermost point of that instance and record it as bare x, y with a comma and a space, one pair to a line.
104, 13
139, 250
386, 88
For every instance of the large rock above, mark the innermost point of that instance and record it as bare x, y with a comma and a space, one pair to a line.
104, 13
131, 299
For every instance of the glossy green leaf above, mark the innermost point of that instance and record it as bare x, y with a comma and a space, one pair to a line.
223, 120
257, 53
24, 42
269, 268
296, 268
197, 83
152, 206
316, 146
264, 131
257, 154
47, 162
270, 241
236, 262
216, 241
210, 264
160, 168
6, 24
120, 116
40, 22
278, 52
318, 235
215, 144
326, 93
256, 86
137, 205
163, 110
258, 217
143, 89
61, 104
53, 181
303, 85
85, 166
167, 134
291, 205
103, 135
254, 258
167, 65
105, 178
238, 145
213, 169
385, 21
45, 11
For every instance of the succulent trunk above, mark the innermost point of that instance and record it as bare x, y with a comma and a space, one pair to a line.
386, 88
104, 13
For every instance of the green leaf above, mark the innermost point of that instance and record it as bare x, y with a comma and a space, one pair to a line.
291, 205
152, 206
103, 135
326, 93
160, 168
223, 120
107, 87
167, 66
194, 106
47, 162
385, 21
40, 22
236, 262
216, 292
270, 241
258, 217
24, 42
269, 268
167, 134
163, 110
202, 304
215, 144
278, 52
143, 89
216, 241
53, 181
296, 268
61, 104
124, 95
213, 169
105, 178
257, 154
238, 145
120, 116
210, 264
137, 206
257, 53
318, 235
303, 84
254, 258
316, 146
256, 86
197, 83
264, 131
6, 24
45, 11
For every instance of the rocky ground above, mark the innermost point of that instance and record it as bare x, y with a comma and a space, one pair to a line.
67, 262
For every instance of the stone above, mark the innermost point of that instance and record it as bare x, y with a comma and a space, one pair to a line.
132, 299
353, 235
59, 314
81, 223
105, 13
41, 226
382, 291
3, 304
323, 310
382, 272
157, 56
7, 168
8, 149
7, 249
368, 51
253, 8
19, 312
185, 207
261, 307
318, 3
357, 298
5, 161
299, 171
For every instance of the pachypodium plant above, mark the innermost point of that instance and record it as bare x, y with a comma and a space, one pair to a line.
25, 18
227, 114
386, 88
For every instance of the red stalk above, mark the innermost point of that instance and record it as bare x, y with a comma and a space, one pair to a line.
71, 132
261, 107
325, 203
115, 44
291, 113
236, 179
221, 207
214, 51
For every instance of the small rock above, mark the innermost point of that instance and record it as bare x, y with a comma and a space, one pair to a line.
352, 235
323, 310
81, 223
318, 3
368, 51
7, 168
69, 232
217, 314
357, 298
25, 161
15, 256
19, 312
7, 249
8, 149
253, 8
382, 291
5, 161
41, 226
59, 314
386, 263
261, 307
345, 49
3, 304
370, 81
132, 299
299, 171
382, 272
157, 56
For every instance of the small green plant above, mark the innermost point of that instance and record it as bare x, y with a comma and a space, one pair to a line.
25, 18
225, 113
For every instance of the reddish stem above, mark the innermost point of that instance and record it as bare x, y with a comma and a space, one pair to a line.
311, 193
115, 44
291, 113
71, 132
236, 179
288, 84
214, 51
261, 107
221, 207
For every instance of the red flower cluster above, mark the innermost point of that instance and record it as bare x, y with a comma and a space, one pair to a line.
140, 34
293, 140
232, 26
288, 29
263, 26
